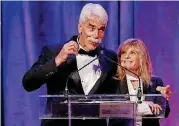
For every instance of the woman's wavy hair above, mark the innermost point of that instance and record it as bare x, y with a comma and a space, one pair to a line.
145, 67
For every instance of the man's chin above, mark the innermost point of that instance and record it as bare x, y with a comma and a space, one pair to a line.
92, 47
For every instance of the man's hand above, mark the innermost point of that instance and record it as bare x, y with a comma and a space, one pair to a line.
165, 91
69, 48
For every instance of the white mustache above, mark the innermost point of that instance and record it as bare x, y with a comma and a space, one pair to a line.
94, 40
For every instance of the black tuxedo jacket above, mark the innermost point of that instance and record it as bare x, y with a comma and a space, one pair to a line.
44, 71
122, 88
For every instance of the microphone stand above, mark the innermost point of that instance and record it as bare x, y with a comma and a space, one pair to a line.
139, 92
66, 92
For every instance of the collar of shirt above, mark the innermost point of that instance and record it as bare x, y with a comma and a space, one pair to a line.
82, 51
80, 47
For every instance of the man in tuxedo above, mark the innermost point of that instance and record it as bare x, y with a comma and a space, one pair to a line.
57, 62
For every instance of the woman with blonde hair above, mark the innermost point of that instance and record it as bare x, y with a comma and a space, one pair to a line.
134, 58
135, 48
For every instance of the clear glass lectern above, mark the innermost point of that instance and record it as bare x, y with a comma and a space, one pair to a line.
99, 106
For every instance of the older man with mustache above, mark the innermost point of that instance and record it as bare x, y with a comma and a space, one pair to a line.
57, 62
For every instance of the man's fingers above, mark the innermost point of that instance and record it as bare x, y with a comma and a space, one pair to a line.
72, 43
68, 48
72, 51
72, 47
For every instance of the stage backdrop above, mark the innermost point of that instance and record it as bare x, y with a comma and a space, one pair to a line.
28, 26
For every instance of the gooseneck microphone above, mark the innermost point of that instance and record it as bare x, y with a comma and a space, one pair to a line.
139, 92
66, 92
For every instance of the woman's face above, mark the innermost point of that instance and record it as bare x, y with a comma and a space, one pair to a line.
130, 59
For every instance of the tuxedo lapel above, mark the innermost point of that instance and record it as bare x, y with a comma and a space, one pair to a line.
101, 79
98, 83
71, 61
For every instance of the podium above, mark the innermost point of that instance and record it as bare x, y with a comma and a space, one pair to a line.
99, 106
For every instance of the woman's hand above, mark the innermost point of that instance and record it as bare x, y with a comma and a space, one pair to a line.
165, 91
155, 108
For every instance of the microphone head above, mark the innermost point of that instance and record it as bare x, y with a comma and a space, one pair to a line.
101, 47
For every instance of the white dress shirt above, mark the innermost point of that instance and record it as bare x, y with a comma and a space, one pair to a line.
142, 108
89, 75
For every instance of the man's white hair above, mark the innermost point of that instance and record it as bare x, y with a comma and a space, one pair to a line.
90, 10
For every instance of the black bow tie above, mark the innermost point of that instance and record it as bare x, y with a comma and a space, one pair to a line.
90, 53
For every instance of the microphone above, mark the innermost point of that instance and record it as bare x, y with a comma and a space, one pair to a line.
66, 92
139, 92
